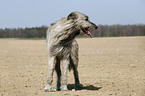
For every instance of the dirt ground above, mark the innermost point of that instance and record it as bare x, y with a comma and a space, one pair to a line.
107, 67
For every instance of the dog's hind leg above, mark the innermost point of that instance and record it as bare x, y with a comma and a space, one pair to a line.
74, 64
78, 86
58, 71
51, 65
65, 63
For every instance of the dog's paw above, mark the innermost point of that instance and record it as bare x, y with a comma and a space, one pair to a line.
78, 86
64, 88
48, 88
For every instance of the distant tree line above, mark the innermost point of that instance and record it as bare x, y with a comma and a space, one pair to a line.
34, 32
119, 30
102, 31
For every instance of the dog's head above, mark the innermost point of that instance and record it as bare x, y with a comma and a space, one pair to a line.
82, 22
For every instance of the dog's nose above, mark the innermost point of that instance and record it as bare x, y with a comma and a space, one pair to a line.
96, 27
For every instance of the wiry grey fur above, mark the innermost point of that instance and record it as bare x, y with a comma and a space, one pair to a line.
63, 48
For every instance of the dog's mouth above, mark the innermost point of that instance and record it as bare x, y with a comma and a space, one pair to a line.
87, 32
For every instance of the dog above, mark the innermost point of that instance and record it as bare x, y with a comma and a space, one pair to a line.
63, 48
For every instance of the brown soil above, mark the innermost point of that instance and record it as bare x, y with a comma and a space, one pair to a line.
107, 67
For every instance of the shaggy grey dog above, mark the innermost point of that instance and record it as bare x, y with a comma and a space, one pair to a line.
63, 48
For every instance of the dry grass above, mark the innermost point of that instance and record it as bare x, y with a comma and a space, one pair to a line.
107, 67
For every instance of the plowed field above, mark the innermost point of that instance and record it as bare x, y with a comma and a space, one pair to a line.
107, 67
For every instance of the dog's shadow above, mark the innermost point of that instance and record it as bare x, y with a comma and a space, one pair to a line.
87, 87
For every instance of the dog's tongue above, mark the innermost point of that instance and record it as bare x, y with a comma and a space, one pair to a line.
88, 33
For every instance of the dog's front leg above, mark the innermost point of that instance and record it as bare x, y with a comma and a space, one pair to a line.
65, 63
51, 65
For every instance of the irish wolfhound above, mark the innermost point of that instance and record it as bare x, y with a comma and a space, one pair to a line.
63, 48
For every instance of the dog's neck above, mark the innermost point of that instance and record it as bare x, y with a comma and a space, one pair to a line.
69, 36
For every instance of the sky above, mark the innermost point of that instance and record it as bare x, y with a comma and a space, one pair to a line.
35, 13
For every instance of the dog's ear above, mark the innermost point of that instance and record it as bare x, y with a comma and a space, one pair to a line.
72, 16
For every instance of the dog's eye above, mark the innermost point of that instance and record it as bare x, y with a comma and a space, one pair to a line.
87, 19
